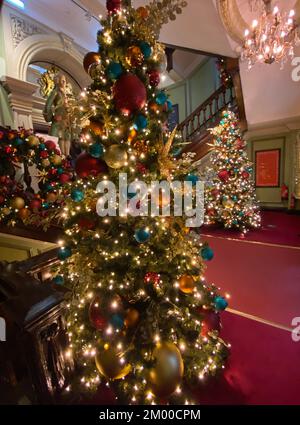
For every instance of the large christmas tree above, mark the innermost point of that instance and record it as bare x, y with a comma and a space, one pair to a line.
141, 313
230, 193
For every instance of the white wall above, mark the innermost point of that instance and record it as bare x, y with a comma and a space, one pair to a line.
270, 94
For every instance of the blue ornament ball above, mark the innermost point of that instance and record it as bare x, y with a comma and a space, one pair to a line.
169, 105
161, 98
64, 253
58, 280
193, 178
142, 235
146, 49
77, 195
117, 321
220, 303
207, 253
45, 205
96, 150
114, 70
141, 122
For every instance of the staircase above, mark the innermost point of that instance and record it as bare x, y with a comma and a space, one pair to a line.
194, 128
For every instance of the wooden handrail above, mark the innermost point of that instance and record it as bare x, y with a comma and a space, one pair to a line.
206, 115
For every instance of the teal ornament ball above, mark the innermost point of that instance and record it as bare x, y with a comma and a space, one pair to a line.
96, 150
193, 178
146, 49
207, 253
117, 321
220, 303
64, 253
77, 195
60, 170
142, 235
161, 98
45, 205
42, 146
114, 70
141, 122
58, 280
169, 105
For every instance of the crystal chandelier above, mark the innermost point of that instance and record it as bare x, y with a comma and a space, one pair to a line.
272, 38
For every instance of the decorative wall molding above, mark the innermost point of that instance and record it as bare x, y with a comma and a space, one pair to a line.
233, 21
67, 42
22, 28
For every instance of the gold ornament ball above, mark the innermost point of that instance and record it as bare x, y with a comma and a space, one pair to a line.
45, 162
168, 370
134, 56
108, 362
33, 141
186, 284
115, 156
228, 203
162, 61
96, 128
56, 159
132, 317
6, 211
17, 203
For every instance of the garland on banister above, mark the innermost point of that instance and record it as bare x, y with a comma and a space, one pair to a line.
20, 149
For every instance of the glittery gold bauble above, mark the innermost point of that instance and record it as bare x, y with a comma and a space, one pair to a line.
56, 159
115, 156
140, 146
24, 213
186, 284
167, 373
109, 363
17, 203
134, 56
228, 203
89, 59
33, 141
6, 211
142, 12
132, 317
51, 197
45, 162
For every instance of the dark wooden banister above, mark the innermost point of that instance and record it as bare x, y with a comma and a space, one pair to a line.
208, 112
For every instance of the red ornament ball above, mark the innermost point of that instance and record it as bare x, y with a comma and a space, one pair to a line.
86, 166
113, 5
50, 145
2, 199
154, 78
86, 223
64, 178
215, 193
245, 174
96, 317
44, 154
130, 94
210, 322
152, 277
223, 175
35, 204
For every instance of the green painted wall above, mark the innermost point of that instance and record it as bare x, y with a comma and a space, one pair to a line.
193, 91
271, 197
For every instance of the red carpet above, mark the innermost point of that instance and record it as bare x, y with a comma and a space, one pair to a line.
262, 280
277, 228
263, 367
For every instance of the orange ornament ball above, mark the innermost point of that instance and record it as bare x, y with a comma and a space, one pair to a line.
24, 213
96, 128
89, 59
132, 317
142, 12
134, 56
51, 197
186, 284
